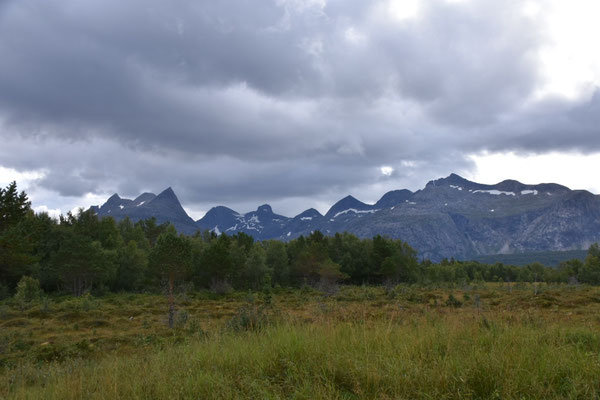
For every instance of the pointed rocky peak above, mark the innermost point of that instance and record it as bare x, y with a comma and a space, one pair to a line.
452, 180
265, 213
510, 185
167, 200
113, 201
143, 198
310, 213
168, 193
219, 216
114, 197
347, 203
264, 209
219, 212
393, 198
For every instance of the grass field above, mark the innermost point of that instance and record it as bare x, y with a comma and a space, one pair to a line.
468, 342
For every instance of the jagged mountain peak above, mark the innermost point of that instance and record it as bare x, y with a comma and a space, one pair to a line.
450, 217
348, 202
310, 213
144, 197
113, 200
115, 204
220, 216
166, 198
168, 192
114, 197
509, 185
221, 210
451, 180
393, 198
165, 207
265, 209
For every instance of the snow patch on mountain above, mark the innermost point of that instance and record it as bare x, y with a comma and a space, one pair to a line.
355, 211
495, 192
533, 192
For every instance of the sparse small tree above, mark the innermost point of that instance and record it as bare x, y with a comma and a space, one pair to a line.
28, 290
171, 259
255, 268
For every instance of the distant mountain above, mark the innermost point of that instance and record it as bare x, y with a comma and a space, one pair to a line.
450, 217
165, 207
394, 197
262, 223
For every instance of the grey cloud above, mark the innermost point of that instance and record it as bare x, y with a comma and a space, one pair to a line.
243, 102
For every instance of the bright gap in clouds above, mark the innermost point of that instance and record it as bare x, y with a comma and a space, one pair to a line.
44, 200
386, 170
404, 9
570, 65
8, 175
576, 171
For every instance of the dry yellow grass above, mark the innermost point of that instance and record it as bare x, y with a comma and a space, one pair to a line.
489, 341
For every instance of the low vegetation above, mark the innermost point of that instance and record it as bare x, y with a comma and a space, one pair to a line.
476, 341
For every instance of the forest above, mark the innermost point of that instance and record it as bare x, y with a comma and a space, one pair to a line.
83, 315
80, 253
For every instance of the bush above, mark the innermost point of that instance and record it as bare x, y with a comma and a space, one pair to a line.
453, 301
249, 318
181, 319
28, 290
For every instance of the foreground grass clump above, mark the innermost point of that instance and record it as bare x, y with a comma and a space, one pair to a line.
428, 357
407, 342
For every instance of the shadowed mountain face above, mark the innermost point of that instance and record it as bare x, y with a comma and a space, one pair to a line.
450, 217
165, 207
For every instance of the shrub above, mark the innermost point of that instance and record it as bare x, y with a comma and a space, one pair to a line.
28, 290
249, 318
181, 318
453, 302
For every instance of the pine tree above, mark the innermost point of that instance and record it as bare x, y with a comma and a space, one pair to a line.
13, 206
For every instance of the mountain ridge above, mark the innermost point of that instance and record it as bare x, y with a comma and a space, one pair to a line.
449, 217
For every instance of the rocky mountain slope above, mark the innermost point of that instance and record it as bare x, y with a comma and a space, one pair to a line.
450, 217
165, 208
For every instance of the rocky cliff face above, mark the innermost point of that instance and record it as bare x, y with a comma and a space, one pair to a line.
165, 208
450, 217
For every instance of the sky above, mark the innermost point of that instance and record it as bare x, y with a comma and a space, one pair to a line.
295, 103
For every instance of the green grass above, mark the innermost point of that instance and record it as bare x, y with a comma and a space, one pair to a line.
372, 343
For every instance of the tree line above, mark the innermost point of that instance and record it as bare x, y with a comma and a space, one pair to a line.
81, 252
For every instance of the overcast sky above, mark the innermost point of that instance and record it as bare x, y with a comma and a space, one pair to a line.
293, 103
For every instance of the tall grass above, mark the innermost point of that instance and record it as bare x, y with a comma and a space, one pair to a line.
426, 356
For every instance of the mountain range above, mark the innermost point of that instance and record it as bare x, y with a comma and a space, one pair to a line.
450, 217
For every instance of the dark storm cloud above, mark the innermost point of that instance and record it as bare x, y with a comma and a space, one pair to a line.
238, 101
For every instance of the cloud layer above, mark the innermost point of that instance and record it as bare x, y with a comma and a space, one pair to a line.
241, 102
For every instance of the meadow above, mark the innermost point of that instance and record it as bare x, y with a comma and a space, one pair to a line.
477, 341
